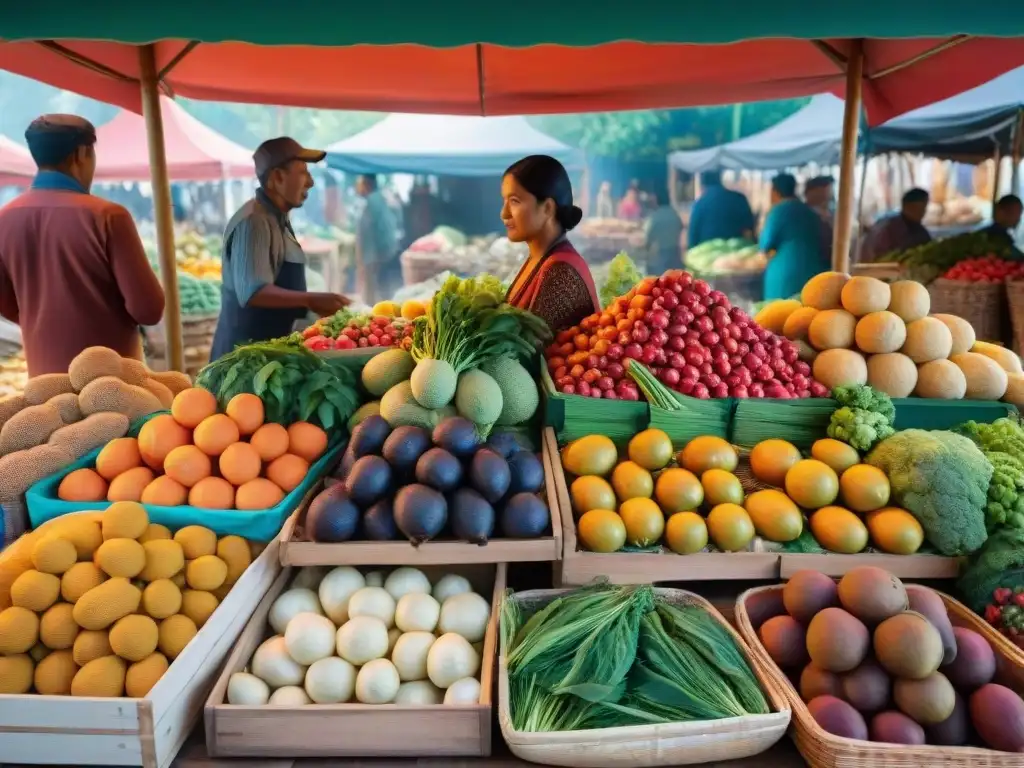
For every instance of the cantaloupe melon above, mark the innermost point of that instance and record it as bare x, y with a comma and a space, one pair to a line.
385, 370
863, 295
839, 367
824, 290
773, 315
798, 323
940, 380
893, 373
985, 379
961, 331
927, 339
1015, 390
1006, 358
832, 329
880, 332
909, 299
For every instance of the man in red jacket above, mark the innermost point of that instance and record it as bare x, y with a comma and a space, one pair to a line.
73, 271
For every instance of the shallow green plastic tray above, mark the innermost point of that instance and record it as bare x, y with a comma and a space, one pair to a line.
255, 525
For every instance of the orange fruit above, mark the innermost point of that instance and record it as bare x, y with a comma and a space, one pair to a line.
775, 516
128, 486
591, 492
246, 411
812, 484
240, 463
192, 405
117, 456
631, 481
164, 491
82, 485
770, 460
686, 533
287, 472
708, 452
306, 440
215, 433
678, 490
270, 441
835, 453
212, 493
730, 527
602, 530
159, 436
864, 488
258, 494
188, 465
721, 487
651, 449
644, 522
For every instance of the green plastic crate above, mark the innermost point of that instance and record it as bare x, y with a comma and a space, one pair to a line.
918, 413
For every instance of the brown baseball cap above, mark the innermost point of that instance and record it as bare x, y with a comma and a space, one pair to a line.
273, 153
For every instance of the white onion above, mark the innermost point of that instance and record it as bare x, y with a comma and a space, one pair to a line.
410, 655
373, 601
335, 590
451, 658
402, 581
449, 586
289, 696
273, 665
362, 639
377, 682
417, 612
247, 690
464, 691
466, 614
291, 603
330, 681
309, 637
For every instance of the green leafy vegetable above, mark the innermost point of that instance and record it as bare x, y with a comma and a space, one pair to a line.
999, 563
1002, 442
865, 416
623, 274
469, 324
294, 384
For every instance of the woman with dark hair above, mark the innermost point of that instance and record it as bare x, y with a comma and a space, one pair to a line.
555, 283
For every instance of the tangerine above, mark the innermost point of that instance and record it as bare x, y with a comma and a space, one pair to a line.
770, 460
258, 494
82, 485
164, 491
287, 472
591, 492
117, 456
812, 484
678, 490
188, 465
631, 481
159, 436
128, 486
192, 405
651, 449
246, 410
212, 493
306, 440
270, 441
708, 452
240, 463
215, 433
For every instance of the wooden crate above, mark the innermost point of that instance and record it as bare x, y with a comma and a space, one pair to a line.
296, 552
581, 567
147, 732
356, 730
901, 566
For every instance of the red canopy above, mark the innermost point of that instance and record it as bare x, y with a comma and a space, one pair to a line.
16, 166
195, 152
900, 75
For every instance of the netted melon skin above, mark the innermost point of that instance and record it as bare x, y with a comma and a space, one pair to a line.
42, 389
29, 427
94, 363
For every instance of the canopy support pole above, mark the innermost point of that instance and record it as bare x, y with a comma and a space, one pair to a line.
848, 158
861, 230
1018, 128
162, 205
997, 168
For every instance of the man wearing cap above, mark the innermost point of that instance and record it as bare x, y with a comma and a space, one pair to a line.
73, 271
263, 292
900, 231
791, 239
719, 213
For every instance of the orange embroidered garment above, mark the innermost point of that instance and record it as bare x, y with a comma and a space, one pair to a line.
558, 288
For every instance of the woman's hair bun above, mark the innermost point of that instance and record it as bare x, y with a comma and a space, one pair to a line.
569, 216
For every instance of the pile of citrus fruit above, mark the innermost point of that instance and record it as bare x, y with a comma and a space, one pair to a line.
652, 497
197, 456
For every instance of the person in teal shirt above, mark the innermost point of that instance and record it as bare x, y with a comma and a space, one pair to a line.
719, 213
791, 239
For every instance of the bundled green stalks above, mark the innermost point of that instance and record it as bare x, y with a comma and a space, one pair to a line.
681, 417
294, 384
467, 325
799, 421
609, 656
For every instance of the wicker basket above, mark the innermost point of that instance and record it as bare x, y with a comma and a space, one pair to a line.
637, 746
983, 305
1015, 304
823, 750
